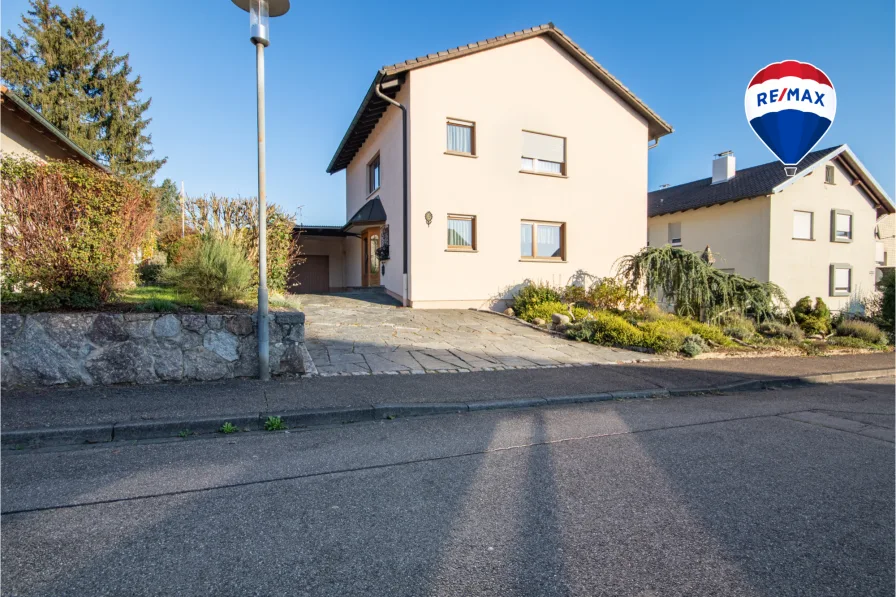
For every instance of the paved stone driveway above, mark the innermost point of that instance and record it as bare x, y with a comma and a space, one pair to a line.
367, 333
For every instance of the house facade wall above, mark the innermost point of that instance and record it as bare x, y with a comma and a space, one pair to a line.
531, 85
802, 267
737, 233
385, 140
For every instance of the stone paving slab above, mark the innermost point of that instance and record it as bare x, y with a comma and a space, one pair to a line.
369, 333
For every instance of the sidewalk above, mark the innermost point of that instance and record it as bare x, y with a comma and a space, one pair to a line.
132, 412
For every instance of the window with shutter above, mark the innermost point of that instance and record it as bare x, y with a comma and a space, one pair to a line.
543, 154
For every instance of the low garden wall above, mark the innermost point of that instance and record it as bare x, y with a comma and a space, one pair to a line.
47, 349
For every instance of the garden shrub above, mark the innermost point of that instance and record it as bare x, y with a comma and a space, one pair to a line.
693, 345
738, 326
607, 329
887, 287
696, 288
853, 342
237, 221
709, 332
812, 319
776, 329
532, 295
217, 271
542, 310
604, 294
864, 330
665, 335
68, 233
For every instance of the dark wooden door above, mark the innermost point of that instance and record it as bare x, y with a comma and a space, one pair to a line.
311, 276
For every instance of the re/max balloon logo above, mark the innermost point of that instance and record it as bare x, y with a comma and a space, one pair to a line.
788, 95
790, 105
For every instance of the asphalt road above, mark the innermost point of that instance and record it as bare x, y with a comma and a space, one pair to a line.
773, 493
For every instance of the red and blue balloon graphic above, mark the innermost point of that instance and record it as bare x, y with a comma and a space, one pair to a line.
790, 105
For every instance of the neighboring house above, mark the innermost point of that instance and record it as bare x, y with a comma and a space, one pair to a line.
885, 235
812, 234
526, 161
23, 131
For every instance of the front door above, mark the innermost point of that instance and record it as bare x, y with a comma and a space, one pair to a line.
370, 263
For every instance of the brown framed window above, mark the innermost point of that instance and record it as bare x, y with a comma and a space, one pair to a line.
543, 240
461, 137
543, 154
373, 174
461, 233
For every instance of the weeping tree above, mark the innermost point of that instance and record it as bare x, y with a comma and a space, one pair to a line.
695, 288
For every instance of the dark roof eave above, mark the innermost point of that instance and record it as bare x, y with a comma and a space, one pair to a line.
331, 168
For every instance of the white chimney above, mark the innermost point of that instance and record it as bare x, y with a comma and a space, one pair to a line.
723, 167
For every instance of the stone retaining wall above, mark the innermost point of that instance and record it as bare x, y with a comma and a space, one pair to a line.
47, 349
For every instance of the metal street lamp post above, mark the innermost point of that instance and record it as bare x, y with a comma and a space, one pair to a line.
260, 12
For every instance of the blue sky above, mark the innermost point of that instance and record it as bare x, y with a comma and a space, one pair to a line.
690, 62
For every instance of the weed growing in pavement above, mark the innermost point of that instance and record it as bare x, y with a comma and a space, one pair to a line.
274, 424
228, 427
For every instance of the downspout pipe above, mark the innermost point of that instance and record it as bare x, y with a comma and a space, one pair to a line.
655, 143
404, 180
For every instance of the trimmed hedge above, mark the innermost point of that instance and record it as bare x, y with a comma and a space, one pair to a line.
69, 233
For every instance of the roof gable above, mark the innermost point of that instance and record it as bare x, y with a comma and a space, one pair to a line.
373, 107
39, 123
765, 179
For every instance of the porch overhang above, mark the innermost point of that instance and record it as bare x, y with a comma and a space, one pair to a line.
371, 213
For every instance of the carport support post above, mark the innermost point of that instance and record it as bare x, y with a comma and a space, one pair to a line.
264, 370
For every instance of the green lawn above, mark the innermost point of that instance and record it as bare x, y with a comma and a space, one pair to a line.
169, 298
158, 298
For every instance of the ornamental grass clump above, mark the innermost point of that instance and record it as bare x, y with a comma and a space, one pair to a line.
776, 329
216, 272
738, 327
863, 330
697, 289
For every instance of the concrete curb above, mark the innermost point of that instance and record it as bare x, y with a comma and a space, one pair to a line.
136, 430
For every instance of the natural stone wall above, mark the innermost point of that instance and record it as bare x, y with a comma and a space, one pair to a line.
105, 348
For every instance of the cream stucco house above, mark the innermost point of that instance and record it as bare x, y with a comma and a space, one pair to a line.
813, 234
24, 132
515, 147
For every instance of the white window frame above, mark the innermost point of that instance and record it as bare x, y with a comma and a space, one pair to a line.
811, 225
830, 169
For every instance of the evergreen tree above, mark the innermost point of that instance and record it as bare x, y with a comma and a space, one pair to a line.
61, 65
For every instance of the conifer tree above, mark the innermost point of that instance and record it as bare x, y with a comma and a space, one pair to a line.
62, 66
